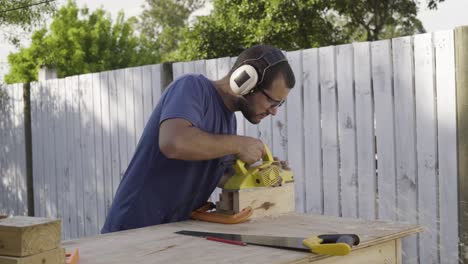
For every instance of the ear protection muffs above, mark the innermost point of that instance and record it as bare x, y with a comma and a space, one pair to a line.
251, 72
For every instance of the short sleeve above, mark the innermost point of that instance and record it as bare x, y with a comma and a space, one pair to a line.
184, 99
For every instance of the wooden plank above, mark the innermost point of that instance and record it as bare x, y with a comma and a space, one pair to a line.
17, 117
138, 103
115, 140
66, 187
188, 67
312, 133
347, 130
461, 68
54, 256
89, 197
211, 69
98, 149
3, 147
34, 142
21, 154
11, 153
365, 136
295, 128
177, 70
159, 243
130, 113
63, 176
106, 143
199, 67
147, 94
426, 147
40, 173
405, 135
447, 139
121, 125
22, 235
50, 150
157, 84
224, 65
385, 133
75, 157
327, 65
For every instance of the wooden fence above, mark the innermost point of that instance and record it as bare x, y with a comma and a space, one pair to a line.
370, 130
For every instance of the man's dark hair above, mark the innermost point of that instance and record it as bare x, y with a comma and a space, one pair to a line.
282, 68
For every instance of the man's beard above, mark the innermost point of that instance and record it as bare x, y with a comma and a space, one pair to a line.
249, 114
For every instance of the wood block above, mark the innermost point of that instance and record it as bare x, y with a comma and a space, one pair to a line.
23, 236
54, 256
266, 201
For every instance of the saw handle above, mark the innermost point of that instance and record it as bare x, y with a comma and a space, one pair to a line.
334, 244
239, 166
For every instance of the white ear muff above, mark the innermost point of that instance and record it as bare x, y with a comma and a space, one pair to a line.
243, 79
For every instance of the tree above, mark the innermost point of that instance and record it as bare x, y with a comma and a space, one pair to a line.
81, 42
162, 22
234, 25
25, 15
378, 19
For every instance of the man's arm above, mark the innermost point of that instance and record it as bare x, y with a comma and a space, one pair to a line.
178, 139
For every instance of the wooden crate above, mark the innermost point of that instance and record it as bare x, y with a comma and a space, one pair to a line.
22, 236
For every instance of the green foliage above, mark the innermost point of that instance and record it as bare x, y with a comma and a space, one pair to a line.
162, 23
19, 16
234, 25
80, 42
373, 20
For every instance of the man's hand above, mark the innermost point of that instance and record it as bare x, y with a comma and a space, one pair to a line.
283, 163
250, 149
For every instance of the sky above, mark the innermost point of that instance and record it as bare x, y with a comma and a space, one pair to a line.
450, 14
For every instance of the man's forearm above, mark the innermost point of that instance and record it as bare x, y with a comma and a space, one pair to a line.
195, 144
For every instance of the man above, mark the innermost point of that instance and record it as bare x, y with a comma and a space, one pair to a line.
190, 139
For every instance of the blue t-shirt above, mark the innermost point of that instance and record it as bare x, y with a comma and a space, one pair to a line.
156, 190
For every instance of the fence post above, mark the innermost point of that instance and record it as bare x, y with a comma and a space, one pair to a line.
461, 75
28, 148
166, 75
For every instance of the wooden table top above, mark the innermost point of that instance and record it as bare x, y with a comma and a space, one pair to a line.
159, 244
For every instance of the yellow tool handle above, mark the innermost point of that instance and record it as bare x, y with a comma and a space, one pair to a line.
337, 249
240, 165
333, 244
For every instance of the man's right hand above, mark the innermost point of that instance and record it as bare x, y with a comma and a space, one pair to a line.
250, 149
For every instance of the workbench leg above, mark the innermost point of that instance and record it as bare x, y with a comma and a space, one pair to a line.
398, 251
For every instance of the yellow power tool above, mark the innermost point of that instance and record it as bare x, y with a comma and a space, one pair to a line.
267, 174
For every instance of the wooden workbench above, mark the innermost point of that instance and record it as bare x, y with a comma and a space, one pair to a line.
380, 242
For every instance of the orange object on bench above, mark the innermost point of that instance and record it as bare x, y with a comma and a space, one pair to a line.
203, 215
72, 258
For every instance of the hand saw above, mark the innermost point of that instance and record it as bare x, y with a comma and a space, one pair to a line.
327, 244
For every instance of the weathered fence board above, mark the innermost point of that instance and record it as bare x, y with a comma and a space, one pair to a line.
447, 145
426, 135
330, 158
384, 129
313, 177
346, 131
365, 133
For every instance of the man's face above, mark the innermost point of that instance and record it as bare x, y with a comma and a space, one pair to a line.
261, 103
